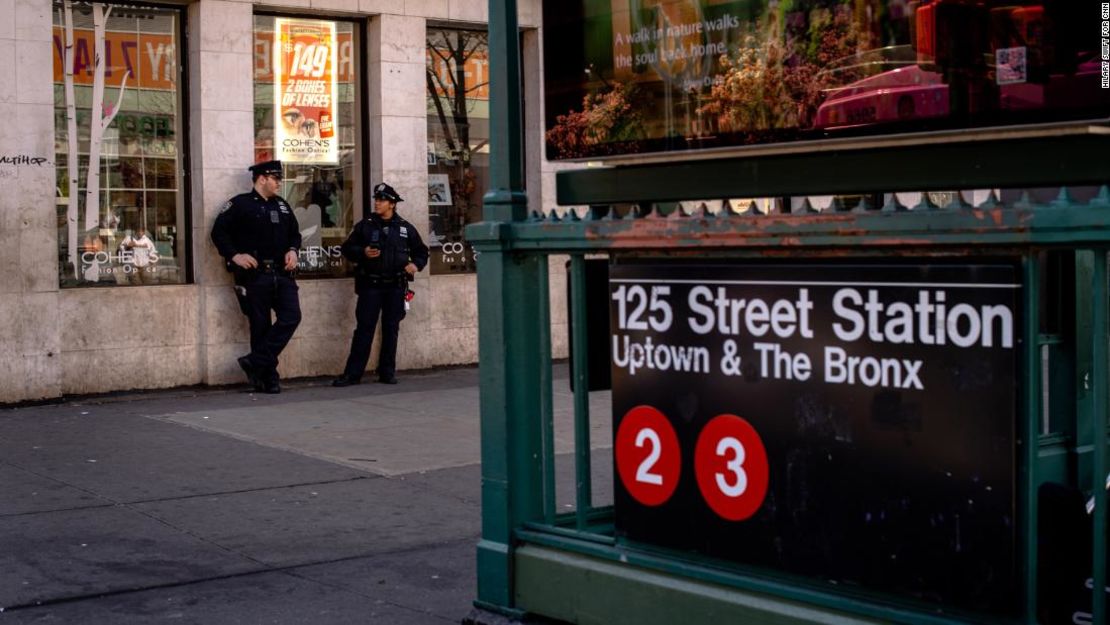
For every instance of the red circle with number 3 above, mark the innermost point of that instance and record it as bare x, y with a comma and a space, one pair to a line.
648, 457
731, 467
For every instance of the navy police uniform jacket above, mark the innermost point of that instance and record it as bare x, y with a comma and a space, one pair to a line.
249, 224
399, 242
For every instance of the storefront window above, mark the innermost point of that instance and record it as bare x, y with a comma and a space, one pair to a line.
458, 142
120, 199
307, 114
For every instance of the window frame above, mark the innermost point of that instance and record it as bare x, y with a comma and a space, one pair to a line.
361, 171
184, 216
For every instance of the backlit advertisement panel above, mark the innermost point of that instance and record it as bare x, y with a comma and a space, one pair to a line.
639, 76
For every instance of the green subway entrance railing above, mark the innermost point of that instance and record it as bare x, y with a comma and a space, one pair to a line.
575, 566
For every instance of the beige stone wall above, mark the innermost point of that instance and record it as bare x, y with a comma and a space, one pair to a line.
30, 321
78, 341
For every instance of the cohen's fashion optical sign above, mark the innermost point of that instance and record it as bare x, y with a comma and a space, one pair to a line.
305, 108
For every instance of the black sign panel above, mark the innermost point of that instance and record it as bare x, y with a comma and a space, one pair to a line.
855, 424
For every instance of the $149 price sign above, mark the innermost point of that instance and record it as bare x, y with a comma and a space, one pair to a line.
730, 462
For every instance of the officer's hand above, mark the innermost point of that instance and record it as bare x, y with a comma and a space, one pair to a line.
290, 260
411, 269
372, 252
246, 261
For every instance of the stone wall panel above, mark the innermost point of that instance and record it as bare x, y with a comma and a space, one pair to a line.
33, 20
38, 254
431, 9
225, 26
7, 70
102, 370
7, 20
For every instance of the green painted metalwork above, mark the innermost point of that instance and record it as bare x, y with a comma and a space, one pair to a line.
1020, 224
658, 580
512, 415
571, 565
1047, 161
509, 304
547, 432
583, 496
1083, 439
1101, 400
1029, 430
1054, 458
506, 200
582, 589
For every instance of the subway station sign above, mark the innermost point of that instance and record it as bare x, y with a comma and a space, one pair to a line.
850, 424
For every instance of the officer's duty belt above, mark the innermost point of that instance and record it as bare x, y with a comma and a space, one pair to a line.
269, 266
384, 281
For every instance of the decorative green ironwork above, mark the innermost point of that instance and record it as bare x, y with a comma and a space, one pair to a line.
632, 211
1101, 399
1029, 430
583, 496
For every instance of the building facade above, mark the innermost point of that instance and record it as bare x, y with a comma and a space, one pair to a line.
114, 172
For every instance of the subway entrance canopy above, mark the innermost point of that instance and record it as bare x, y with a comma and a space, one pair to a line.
856, 311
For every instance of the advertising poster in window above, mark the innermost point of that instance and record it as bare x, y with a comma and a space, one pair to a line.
305, 107
325, 197
851, 424
640, 76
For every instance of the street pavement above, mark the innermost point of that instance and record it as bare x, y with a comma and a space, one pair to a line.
219, 505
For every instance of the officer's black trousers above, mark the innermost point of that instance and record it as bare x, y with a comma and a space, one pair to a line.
268, 291
389, 301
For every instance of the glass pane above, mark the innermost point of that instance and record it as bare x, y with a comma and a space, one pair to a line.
324, 193
128, 235
636, 76
160, 173
127, 174
458, 142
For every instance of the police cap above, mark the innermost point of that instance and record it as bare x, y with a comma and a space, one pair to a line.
382, 191
267, 168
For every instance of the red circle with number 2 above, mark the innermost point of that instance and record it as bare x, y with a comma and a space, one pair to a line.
648, 457
731, 467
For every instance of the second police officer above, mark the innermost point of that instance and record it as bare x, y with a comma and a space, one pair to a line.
387, 251
257, 233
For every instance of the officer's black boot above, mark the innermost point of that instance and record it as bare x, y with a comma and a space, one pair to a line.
270, 383
252, 373
344, 380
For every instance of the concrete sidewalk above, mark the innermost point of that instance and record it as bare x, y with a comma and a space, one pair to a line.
319, 505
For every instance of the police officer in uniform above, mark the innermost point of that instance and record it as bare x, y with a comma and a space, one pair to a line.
387, 252
258, 235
